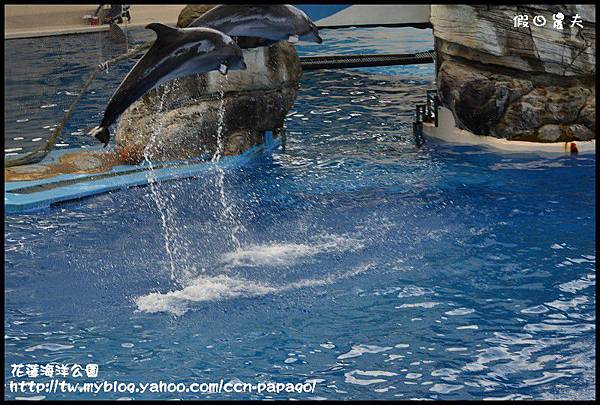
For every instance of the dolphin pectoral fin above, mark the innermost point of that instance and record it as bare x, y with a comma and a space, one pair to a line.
101, 134
293, 39
223, 69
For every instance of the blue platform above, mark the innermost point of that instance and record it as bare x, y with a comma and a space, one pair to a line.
21, 196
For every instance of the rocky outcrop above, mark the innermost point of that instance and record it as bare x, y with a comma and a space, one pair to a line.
493, 101
191, 12
201, 114
527, 83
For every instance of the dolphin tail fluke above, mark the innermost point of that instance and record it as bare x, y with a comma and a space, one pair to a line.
100, 133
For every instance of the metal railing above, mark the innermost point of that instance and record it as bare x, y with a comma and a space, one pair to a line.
368, 60
427, 112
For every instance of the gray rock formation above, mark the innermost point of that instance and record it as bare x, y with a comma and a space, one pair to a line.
183, 119
527, 83
191, 12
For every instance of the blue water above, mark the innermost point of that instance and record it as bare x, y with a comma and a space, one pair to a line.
376, 268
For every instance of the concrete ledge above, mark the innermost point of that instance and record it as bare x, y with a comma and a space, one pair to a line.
54, 31
31, 21
448, 132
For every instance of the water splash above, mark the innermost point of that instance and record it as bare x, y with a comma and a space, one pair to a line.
165, 212
223, 287
220, 123
180, 264
227, 210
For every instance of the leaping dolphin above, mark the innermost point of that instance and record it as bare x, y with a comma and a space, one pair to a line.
175, 53
270, 23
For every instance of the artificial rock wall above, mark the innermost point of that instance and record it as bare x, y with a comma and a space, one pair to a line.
191, 116
534, 83
200, 114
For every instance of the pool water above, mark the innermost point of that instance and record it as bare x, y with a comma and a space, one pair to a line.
353, 259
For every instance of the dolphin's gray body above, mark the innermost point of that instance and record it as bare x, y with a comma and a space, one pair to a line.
270, 23
175, 53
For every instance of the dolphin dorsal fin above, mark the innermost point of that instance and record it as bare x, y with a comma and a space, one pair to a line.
162, 30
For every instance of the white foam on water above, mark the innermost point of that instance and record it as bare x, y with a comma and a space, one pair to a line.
350, 378
446, 373
278, 254
538, 309
445, 388
456, 349
429, 304
565, 305
286, 254
359, 350
584, 260
202, 289
49, 346
580, 284
546, 377
414, 291
460, 311
223, 287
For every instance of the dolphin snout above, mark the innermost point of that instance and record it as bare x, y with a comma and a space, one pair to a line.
315, 32
312, 36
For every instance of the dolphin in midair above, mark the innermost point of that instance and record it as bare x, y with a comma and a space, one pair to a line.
270, 23
175, 53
